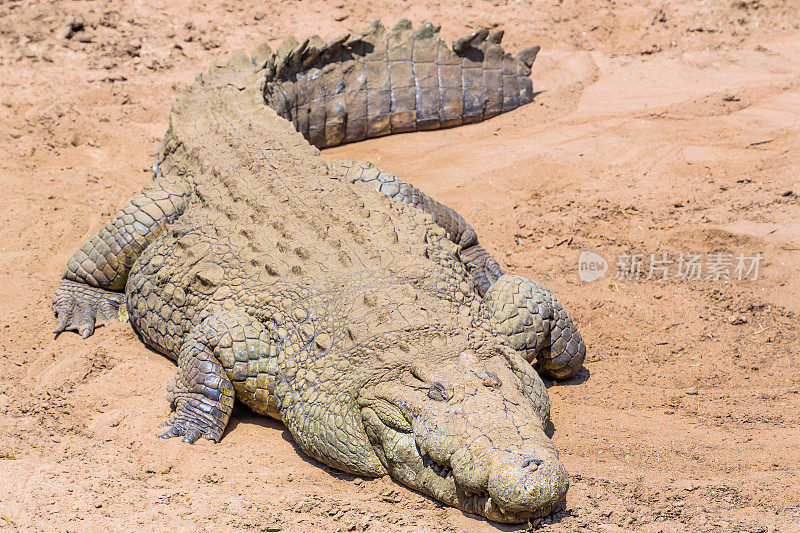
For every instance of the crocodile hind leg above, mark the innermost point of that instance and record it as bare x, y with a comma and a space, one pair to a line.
88, 295
225, 354
536, 325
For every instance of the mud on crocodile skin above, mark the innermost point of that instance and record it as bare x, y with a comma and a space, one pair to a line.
336, 297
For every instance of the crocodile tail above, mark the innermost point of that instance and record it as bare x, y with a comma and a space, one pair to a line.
390, 81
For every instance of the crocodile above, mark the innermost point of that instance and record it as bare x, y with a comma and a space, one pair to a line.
334, 296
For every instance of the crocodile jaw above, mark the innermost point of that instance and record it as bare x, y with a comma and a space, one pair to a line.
500, 487
496, 462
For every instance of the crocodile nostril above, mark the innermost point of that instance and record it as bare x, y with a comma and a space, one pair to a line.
531, 462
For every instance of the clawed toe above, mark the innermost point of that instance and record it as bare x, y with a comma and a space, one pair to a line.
190, 431
190, 435
82, 308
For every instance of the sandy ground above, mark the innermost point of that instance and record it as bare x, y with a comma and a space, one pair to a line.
661, 128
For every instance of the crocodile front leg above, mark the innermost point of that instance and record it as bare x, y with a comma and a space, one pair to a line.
202, 395
226, 354
88, 295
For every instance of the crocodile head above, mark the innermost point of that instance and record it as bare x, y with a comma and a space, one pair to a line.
468, 431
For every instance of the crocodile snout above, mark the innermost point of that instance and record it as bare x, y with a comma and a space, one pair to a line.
520, 483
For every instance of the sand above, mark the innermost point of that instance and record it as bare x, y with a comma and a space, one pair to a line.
660, 128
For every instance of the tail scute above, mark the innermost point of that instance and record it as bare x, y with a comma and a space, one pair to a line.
473, 39
527, 56
496, 37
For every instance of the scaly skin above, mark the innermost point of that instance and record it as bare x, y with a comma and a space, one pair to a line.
484, 269
523, 310
86, 298
336, 298
391, 81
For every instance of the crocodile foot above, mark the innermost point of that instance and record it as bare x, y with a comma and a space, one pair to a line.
80, 307
191, 428
203, 412
202, 394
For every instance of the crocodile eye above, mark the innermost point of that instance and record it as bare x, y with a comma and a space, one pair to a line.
440, 391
